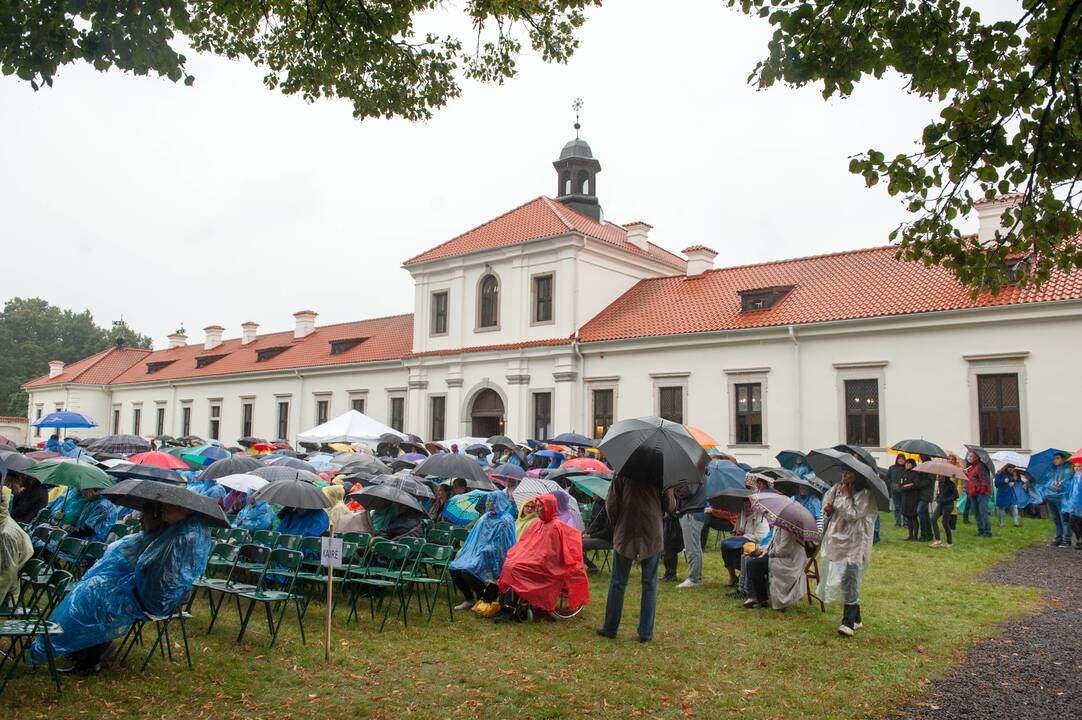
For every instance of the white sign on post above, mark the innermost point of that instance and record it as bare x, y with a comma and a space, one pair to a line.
331, 552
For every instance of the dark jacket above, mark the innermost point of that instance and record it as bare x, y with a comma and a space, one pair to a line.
895, 478
948, 493
26, 505
600, 527
912, 495
635, 509
686, 497
925, 486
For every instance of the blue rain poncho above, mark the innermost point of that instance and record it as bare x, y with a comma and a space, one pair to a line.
488, 542
1072, 499
1006, 495
255, 517
307, 523
138, 575
812, 503
69, 449
67, 507
97, 518
803, 470
52, 445
1055, 483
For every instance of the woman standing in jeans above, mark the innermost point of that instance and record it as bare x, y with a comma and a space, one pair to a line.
946, 494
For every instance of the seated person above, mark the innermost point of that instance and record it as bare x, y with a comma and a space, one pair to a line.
392, 521
527, 514
783, 562
750, 527
598, 536
97, 518
337, 495
255, 515
66, 507
141, 575
303, 522
15, 550
477, 566
29, 497
544, 564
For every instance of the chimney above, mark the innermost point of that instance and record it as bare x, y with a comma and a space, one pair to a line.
700, 259
248, 332
56, 367
990, 213
178, 339
214, 336
636, 234
306, 323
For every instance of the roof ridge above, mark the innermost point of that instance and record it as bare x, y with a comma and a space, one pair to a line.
475, 228
317, 328
558, 212
782, 261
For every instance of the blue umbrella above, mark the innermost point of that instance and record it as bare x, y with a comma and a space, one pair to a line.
461, 509
1041, 463
723, 475
549, 454
787, 458
66, 419
572, 439
205, 455
510, 470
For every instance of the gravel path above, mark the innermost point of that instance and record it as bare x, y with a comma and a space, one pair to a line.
1034, 668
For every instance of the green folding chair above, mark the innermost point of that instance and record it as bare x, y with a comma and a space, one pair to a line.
458, 536
254, 559
286, 564
162, 642
21, 632
264, 537
93, 552
439, 537
288, 542
430, 571
386, 573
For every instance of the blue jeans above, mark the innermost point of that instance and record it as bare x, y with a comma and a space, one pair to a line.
979, 503
896, 500
925, 518
1063, 528
614, 605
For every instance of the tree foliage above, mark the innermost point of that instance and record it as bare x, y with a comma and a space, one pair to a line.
367, 51
33, 332
1011, 118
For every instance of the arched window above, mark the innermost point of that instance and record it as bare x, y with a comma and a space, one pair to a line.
584, 183
488, 302
566, 184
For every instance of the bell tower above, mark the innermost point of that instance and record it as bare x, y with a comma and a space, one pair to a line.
576, 174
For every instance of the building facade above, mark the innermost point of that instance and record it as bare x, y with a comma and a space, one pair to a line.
550, 318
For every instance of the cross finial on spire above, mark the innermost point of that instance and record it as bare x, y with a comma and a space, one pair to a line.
577, 106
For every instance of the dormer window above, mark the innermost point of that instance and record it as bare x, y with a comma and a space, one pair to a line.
153, 367
488, 302
345, 344
1017, 267
270, 352
204, 360
762, 298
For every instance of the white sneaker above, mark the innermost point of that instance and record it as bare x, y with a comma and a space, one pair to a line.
464, 606
689, 584
845, 630
858, 626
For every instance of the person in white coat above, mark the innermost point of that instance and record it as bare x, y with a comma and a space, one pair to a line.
776, 577
847, 547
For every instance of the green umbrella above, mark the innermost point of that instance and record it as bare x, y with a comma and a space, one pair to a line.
180, 452
64, 472
596, 486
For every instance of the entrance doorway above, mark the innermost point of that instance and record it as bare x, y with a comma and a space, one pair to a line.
486, 415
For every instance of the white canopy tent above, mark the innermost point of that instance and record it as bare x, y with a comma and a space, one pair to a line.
351, 426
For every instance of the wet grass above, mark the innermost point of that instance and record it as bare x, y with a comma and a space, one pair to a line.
922, 608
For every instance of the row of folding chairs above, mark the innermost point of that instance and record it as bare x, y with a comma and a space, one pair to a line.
57, 551
25, 617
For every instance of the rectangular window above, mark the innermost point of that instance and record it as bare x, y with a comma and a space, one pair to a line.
116, 421
862, 412
37, 416
185, 421
283, 419
357, 404
671, 403
215, 421
322, 407
602, 411
997, 400
542, 415
542, 299
439, 313
136, 421
749, 413
246, 419
398, 413
439, 411
159, 421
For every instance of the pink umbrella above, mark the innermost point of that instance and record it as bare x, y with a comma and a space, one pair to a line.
587, 464
7, 441
159, 459
788, 514
941, 468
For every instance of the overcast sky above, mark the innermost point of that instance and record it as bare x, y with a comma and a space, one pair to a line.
226, 202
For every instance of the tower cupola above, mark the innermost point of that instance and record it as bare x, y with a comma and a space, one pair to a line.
576, 175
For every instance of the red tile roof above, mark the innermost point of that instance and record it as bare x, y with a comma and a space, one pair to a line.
539, 218
842, 286
388, 338
98, 369
13, 419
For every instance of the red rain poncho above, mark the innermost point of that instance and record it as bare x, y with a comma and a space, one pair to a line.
547, 559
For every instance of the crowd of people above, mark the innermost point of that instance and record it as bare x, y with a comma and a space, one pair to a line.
540, 517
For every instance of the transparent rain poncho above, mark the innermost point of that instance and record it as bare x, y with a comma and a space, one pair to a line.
15, 550
847, 545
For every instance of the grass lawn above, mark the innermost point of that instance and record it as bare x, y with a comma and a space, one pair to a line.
921, 608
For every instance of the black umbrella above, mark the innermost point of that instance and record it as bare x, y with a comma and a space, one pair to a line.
573, 439
138, 493
15, 462
453, 465
478, 449
365, 463
787, 481
731, 499
276, 473
163, 438
248, 441
390, 438
232, 465
984, 458
284, 452
411, 484
920, 447
863, 455
829, 463
397, 465
651, 448
391, 494
119, 445
129, 471
510, 470
292, 462
293, 493
501, 441
408, 446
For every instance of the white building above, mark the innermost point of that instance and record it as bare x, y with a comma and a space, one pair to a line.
550, 319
